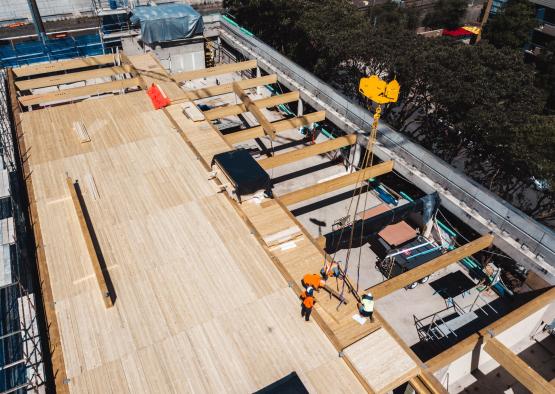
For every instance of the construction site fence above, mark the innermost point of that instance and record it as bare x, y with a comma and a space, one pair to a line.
530, 234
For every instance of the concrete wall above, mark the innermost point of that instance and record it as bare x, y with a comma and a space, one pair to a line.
56, 9
463, 366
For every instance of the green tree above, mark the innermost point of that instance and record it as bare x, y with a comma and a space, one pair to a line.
512, 26
446, 14
391, 16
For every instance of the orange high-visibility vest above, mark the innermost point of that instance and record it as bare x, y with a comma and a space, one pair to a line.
312, 280
308, 301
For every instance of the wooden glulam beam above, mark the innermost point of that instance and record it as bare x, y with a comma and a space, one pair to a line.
64, 65
230, 110
419, 386
253, 109
210, 91
510, 319
279, 126
336, 183
80, 92
90, 244
398, 282
514, 365
73, 77
431, 382
309, 151
213, 71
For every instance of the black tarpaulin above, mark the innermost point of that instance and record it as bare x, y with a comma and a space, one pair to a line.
246, 174
364, 229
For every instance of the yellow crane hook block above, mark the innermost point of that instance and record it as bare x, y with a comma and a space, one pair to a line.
378, 90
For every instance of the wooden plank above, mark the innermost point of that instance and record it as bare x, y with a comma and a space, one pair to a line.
230, 110
253, 109
336, 183
281, 125
64, 65
470, 343
73, 77
94, 252
418, 385
213, 71
210, 91
398, 282
309, 151
431, 382
57, 361
70, 94
521, 371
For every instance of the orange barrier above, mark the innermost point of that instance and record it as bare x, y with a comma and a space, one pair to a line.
158, 97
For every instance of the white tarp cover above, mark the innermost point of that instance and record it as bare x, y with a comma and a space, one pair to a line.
167, 22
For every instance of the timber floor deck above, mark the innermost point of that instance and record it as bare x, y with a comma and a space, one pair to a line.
200, 307
203, 303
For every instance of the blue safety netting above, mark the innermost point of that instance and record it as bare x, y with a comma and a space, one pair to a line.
27, 52
167, 22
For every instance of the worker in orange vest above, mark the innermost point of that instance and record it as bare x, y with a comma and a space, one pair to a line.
313, 280
308, 299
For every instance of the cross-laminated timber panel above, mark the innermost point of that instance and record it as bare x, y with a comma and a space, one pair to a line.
230, 110
398, 282
214, 71
521, 371
309, 151
279, 126
153, 195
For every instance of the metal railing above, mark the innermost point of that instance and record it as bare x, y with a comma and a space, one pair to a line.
530, 234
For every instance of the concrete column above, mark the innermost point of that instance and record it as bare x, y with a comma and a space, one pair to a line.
37, 20
300, 113
219, 50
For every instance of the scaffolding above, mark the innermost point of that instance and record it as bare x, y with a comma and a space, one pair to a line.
21, 359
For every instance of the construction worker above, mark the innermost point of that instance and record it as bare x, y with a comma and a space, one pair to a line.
330, 270
308, 299
366, 306
313, 280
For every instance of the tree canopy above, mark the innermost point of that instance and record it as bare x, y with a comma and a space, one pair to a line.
512, 25
446, 14
478, 106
